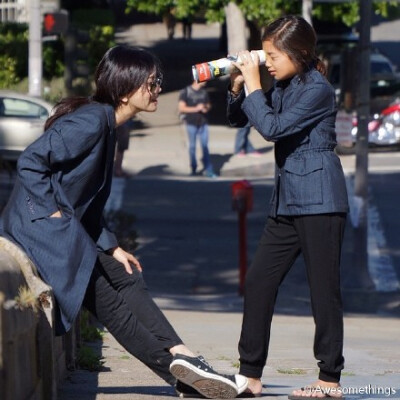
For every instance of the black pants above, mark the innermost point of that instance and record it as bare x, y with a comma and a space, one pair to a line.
122, 303
319, 238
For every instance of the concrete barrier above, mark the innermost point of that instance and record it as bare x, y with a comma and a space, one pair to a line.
32, 359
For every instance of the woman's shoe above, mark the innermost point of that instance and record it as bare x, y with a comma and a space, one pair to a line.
198, 374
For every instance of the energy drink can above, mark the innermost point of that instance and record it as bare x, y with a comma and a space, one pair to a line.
223, 66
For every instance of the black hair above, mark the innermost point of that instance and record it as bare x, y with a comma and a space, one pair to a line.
294, 36
122, 71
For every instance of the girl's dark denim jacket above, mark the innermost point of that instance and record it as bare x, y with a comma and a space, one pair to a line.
298, 115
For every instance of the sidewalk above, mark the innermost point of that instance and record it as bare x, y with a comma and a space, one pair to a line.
371, 350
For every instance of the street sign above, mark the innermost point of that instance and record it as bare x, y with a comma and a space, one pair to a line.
55, 22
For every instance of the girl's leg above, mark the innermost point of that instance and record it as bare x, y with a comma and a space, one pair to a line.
111, 309
278, 248
321, 241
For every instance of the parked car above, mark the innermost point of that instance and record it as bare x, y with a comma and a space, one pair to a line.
383, 128
22, 119
384, 80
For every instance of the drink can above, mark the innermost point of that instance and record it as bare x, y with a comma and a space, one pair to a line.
208, 70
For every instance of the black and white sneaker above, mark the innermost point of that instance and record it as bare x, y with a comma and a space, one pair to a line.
198, 374
186, 391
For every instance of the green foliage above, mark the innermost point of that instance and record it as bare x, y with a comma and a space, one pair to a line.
261, 11
341, 12
14, 45
101, 39
89, 332
53, 58
8, 74
158, 7
88, 359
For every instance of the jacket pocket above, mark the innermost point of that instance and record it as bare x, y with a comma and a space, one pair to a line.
303, 181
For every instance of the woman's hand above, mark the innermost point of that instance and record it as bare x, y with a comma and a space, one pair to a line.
250, 71
126, 258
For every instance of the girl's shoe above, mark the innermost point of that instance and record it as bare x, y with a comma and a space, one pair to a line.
198, 374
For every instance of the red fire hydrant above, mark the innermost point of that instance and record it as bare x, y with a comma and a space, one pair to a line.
242, 202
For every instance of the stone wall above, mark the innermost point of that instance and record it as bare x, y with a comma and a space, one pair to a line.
32, 359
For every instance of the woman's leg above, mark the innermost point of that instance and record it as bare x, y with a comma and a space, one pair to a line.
150, 340
321, 241
278, 248
135, 293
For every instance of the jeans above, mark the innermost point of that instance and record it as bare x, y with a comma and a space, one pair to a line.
201, 132
242, 142
319, 238
122, 303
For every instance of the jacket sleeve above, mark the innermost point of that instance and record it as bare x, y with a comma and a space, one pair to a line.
107, 239
311, 105
236, 116
63, 143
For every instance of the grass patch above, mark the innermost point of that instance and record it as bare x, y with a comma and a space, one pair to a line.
89, 332
348, 373
292, 371
88, 359
124, 357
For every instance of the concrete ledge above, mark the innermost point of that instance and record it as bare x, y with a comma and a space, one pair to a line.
32, 359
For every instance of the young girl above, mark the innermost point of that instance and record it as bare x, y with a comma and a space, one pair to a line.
309, 204
55, 214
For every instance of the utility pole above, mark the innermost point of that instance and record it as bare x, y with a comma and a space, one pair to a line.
361, 279
35, 49
306, 12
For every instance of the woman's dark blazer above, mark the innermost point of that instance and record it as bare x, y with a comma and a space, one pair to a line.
298, 115
69, 168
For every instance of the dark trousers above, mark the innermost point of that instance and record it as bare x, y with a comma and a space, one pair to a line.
122, 303
319, 239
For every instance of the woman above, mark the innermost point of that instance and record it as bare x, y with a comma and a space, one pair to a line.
309, 204
55, 213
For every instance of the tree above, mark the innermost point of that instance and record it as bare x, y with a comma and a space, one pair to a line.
258, 13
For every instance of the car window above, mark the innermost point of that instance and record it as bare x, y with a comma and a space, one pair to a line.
22, 108
380, 68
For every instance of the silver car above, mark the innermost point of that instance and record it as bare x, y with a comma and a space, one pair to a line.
22, 119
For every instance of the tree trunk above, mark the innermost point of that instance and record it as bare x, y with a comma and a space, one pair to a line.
236, 28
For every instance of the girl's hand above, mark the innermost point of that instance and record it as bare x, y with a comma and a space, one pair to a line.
127, 259
237, 83
249, 69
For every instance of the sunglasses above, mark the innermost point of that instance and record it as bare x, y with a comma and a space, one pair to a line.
154, 85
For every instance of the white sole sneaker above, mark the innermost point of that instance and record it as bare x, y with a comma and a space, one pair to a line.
209, 384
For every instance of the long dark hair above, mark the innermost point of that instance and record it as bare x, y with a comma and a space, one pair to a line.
121, 72
294, 36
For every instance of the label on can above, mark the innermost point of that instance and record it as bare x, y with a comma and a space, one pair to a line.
203, 72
